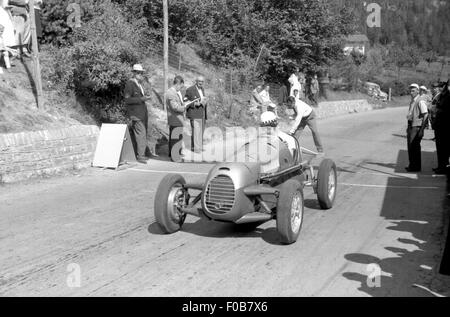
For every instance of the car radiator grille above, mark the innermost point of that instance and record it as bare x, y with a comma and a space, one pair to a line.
220, 195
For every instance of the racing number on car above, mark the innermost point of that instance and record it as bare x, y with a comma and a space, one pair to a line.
247, 306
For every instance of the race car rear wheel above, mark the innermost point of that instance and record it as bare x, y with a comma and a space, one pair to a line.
290, 208
170, 197
327, 184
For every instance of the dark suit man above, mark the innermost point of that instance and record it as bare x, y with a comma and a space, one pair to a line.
442, 130
137, 112
197, 113
175, 116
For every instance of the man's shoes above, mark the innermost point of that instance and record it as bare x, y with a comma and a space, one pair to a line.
411, 170
142, 160
439, 171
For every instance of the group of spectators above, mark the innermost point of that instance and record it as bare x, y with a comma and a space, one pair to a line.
301, 87
182, 105
297, 101
15, 29
433, 111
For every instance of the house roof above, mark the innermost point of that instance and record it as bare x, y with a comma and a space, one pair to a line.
357, 38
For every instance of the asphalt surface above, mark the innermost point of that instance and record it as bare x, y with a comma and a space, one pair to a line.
94, 234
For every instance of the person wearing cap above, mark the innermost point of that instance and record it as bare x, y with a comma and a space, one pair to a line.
442, 129
425, 96
305, 116
274, 151
417, 120
136, 110
197, 113
270, 120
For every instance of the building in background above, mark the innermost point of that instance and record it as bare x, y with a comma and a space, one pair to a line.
356, 42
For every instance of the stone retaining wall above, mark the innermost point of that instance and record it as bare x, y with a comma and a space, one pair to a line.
44, 153
336, 108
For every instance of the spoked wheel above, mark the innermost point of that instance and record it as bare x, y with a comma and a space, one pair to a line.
170, 197
290, 208
327, 184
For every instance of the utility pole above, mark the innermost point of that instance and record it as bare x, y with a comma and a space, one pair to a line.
166, 50
35, 55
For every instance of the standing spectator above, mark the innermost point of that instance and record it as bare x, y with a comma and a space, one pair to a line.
436, 94
305, 116
425, 96
268, 104
315, 89
197, 113
302, 80
176, 114
20, 17
442, 130
417, 121
7, 37
295, 83
137, 112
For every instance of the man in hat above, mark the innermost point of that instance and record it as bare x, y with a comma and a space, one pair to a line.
425, 96
137, 112
417, 120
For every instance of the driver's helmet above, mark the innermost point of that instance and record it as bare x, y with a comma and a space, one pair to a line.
269, 119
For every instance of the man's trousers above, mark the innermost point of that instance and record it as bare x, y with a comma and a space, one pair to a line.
139, 129
442, 146
198, 130
176, 143
414, 139
311, 122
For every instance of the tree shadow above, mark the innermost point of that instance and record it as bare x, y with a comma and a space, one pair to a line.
414, 257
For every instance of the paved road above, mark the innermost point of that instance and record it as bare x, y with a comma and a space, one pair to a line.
102, 223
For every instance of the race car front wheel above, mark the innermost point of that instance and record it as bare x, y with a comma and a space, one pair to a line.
170, 197
290, 208
327, 184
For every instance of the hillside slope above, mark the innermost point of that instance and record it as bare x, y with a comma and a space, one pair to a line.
18, 107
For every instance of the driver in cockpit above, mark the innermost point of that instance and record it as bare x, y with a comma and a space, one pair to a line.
270, 120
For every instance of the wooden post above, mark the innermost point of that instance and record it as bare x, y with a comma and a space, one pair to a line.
259, 56
166, 50
35, 55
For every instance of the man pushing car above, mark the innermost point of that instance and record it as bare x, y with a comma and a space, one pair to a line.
305, 116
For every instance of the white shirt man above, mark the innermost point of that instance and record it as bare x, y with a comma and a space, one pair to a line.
305, 117
303, 110
295, 84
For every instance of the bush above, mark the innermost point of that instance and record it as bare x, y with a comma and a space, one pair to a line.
96, 60
400, 87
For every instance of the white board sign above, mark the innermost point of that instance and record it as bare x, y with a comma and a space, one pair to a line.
114, 146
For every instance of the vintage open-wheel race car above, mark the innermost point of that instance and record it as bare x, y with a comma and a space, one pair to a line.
250, 192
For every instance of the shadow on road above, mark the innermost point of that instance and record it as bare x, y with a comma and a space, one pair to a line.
219, 230
211, 229
416, 255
